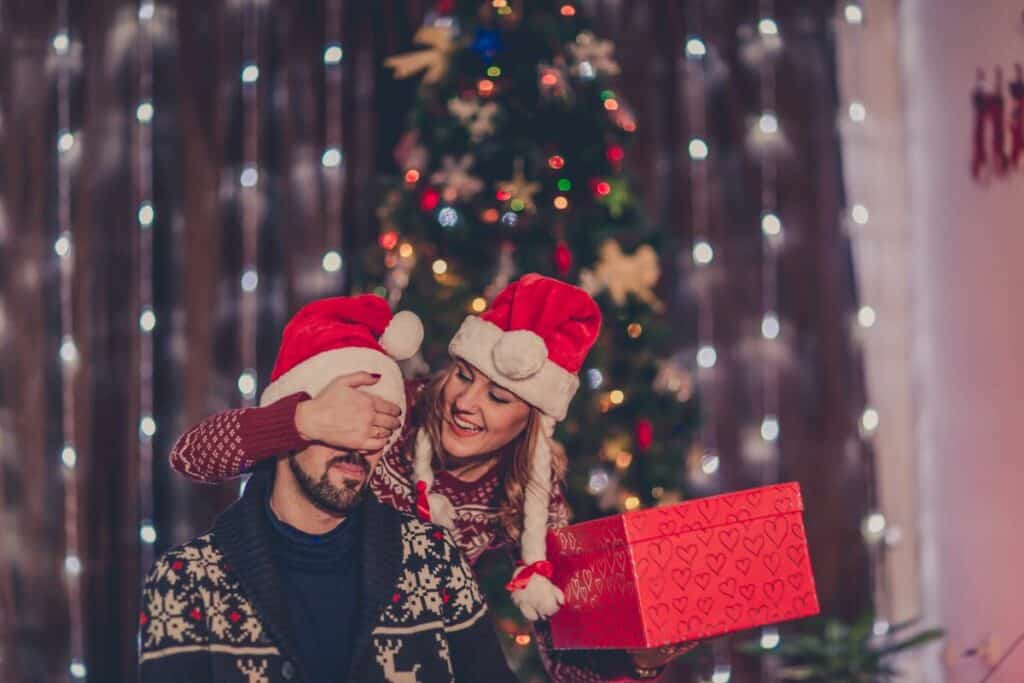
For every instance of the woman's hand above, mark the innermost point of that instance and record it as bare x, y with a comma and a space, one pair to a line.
656, 658
346, 418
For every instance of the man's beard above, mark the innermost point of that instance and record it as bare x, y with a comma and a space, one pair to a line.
324, 494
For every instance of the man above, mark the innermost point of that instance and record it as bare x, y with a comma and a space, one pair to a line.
308, 577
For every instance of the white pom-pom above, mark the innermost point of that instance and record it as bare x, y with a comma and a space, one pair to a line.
540, 599
442, 512
519, 354
403, 336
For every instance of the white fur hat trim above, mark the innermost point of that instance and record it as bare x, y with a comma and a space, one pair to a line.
513, 360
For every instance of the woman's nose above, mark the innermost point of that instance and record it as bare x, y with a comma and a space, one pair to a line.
468, 400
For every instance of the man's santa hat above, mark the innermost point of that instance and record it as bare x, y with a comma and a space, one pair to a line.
332, 337
532, 341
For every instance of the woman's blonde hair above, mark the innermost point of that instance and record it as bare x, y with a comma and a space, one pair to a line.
514, 459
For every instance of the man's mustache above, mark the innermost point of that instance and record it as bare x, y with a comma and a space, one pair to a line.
350, 458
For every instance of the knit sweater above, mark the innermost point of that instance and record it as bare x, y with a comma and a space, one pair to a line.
213, 609
230, 443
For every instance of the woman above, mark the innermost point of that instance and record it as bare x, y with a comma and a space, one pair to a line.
476, 455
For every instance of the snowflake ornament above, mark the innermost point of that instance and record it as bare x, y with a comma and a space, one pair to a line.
592, 56
520, 188
478, 119
433, 61
455, 178
624, 274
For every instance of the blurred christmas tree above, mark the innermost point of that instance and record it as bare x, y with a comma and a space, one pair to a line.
513, 162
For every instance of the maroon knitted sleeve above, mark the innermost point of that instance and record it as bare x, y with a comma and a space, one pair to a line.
228, 444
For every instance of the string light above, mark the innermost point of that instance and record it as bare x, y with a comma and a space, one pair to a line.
147, 533
869, 421
770, 428
144, 112
250, 281
146, 214
859, 214
617, 397
631, 503
62, 247
770, 638
702, 253
706, 357
147, 426
594, 378
69, 456
768, 123
771, 226
874, 528
331, 157
440, 267
770, 326
68, 351
698, 149
142, 170
709, 463
250, 73
249, 177
696, 48
767, 27
147, 320
866, 316
857, 112
479, 304
332, 262
853, 13
66, 141
333, 54
247, 384
61, 42
721, 674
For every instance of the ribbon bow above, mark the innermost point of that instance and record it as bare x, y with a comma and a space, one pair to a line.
542, 567
422, 501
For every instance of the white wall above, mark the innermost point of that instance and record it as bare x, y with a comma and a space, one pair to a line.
967, 255
942, 261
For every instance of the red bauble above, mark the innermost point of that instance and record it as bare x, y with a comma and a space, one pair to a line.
563, 258
615, 153
429, 199
644, 433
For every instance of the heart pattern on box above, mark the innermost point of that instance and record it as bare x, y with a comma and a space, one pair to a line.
689, 571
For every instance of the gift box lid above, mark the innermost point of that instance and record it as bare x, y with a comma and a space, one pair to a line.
703, 514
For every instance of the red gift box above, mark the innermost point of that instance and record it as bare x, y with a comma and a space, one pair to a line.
683, 572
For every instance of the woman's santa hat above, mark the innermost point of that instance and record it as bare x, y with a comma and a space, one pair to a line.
532, 341
332, 337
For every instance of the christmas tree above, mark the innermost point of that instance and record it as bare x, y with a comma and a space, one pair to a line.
514, 161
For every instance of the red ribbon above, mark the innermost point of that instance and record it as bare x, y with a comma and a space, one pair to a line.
422, 501
543, 567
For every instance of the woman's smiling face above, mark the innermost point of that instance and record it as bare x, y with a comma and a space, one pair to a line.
478, 415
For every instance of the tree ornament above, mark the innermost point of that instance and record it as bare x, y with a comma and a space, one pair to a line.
456, 180
433, 61
617, 198
519, 188
487, 43
644, 434
478, 119
409, 153
551, 80
623, 274
592, 56
563, 258
429, 199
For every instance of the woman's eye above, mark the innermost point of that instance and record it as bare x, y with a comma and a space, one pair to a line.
499, 399
463, 376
